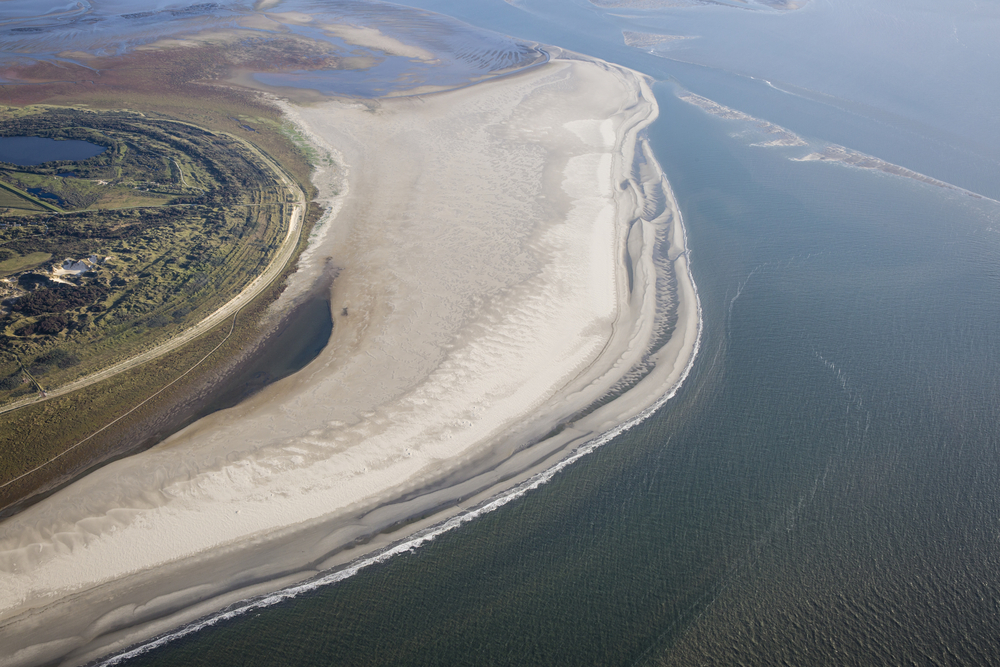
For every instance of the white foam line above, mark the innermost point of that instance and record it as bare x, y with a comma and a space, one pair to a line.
273, 471
427, 535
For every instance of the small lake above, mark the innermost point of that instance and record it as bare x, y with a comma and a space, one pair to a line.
29, 151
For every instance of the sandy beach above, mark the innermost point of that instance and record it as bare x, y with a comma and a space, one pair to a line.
508, 254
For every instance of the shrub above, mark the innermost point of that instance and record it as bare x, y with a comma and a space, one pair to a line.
58, 298
57, 357
11, 382
47, 326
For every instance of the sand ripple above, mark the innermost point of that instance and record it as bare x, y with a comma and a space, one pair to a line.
509, 254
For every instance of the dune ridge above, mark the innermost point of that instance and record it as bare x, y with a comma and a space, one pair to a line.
509, 253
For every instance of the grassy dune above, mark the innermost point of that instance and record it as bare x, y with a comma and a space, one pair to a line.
195, 243
159, 259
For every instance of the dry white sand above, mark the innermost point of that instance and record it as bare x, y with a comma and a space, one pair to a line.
484, 297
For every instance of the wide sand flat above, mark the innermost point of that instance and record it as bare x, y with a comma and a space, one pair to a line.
484, 297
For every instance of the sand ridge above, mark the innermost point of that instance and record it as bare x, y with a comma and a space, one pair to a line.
482, 300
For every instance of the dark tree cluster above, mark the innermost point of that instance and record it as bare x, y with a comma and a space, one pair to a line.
47, 326
57, 299
11, 381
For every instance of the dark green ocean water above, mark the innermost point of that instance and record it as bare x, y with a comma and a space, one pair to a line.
822, 491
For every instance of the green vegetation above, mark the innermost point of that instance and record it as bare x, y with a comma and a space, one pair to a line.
21, 200
50, 441
70, 433
11, 202
11, 262
166, 225
294, 135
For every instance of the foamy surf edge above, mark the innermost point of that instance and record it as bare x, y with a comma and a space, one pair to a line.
693, 324
646, 219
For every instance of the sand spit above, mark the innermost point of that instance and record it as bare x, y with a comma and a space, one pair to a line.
500, 249
835, 153
824, 153
650, 41
782, 136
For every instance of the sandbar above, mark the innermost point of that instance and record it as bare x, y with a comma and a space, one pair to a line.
507, 255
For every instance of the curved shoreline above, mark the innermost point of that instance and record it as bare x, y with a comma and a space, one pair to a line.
499, 459
421, 532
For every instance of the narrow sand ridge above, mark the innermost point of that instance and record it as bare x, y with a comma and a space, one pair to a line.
508, 254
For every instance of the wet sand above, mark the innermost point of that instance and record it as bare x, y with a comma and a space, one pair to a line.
508, 253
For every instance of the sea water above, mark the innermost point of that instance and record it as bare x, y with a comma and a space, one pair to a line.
823, 487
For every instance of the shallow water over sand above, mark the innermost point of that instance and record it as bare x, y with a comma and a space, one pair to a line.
380, 48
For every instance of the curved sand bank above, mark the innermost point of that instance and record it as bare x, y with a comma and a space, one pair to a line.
509, 253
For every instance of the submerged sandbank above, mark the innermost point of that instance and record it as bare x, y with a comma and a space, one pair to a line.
509, 254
